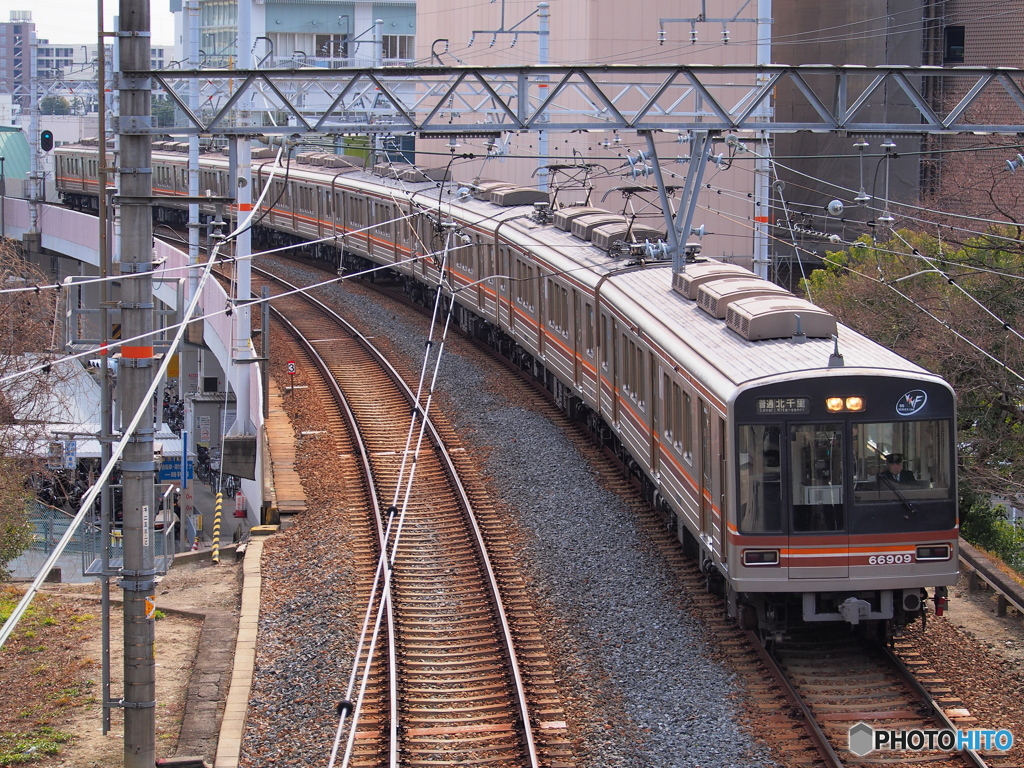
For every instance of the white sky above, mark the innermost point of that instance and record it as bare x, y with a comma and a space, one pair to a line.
74, 21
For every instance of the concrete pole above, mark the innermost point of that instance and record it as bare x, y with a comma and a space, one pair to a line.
106, 391
543, 38
762, 165
134, 377
33, 136
243, 243
192, 35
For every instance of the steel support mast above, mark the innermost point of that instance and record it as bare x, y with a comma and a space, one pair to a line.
134, 378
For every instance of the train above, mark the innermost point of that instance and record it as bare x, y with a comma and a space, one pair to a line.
763, 430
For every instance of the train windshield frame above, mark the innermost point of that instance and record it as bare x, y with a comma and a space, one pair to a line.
803, 469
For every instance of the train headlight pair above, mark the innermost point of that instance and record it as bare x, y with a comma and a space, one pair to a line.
840, 404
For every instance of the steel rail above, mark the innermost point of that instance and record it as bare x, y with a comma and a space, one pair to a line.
935, 710
508, 646
814, 731
371, 489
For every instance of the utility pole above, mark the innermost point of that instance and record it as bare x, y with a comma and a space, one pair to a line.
243, 241
135, 375
543, 32
33, 138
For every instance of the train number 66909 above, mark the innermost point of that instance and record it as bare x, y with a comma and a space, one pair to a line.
890, 559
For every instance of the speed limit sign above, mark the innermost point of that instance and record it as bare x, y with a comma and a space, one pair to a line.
291, 367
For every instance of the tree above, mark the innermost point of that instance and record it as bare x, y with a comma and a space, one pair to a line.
955, 311
27, 336
54, 105
163, 113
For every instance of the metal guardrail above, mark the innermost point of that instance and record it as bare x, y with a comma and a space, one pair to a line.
1005, 587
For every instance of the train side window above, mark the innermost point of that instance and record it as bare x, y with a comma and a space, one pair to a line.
606, 341
686, 428
588, 332
816, 471
558, 307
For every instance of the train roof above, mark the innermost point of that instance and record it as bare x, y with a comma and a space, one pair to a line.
690, 332
706, 345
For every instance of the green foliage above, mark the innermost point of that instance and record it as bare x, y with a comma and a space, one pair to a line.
15, 535
54, 105
985, 526
26, 748
952, 309
163, 113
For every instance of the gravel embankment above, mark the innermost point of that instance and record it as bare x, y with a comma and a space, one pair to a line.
641, 684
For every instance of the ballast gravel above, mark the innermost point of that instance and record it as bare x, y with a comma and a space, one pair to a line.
641, 686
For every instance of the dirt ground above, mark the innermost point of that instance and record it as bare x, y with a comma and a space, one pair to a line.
975, 615
193, 587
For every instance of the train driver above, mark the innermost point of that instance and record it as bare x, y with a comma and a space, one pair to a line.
894, 471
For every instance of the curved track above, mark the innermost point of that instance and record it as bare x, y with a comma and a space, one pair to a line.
459, 697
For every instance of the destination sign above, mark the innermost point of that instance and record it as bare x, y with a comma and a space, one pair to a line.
767, 406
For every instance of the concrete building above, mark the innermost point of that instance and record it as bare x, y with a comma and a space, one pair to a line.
603, 32
304, 33
15, 48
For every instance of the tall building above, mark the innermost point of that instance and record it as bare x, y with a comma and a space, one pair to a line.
817, 168
605, 32
314, 33
15, 55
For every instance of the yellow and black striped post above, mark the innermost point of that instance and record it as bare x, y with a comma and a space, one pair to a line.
216, 526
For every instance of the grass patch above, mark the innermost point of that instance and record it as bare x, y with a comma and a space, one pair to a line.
43, 678
26, 748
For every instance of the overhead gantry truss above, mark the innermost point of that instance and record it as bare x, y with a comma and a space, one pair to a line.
482, 101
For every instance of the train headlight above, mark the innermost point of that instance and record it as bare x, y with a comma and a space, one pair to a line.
933, 552
760, 557
854, 403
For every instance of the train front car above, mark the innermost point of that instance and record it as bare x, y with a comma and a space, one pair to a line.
846, 504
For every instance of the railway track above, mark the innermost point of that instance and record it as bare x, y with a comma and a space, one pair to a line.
460, 684
788, 714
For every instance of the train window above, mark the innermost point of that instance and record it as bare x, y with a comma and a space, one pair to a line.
668, 410
759, 504
606, 341
462, 255
688, 427
925, 467
589, 329
678, 418
816, 473
489, 263
558, 307
633, 370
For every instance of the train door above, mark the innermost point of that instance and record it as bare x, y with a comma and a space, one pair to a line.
706, 491
540, 285
723, 488
616, 361
481, 249
321, 212
655, 411
577, 341
819, 540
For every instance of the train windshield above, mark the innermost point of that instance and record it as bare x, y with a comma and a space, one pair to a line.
901, 459
817, 465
